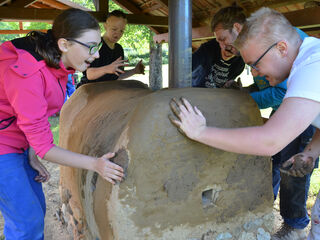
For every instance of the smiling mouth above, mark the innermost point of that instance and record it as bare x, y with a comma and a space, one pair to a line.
229, 50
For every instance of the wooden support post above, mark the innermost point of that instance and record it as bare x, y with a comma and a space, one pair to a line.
155, 64
101, 5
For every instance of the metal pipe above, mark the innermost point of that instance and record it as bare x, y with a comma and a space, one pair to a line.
180, 51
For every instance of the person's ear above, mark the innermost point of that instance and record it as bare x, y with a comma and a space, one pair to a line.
63, 44
237, 27
282, 47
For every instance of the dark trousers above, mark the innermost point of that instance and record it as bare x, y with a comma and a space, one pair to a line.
293, 190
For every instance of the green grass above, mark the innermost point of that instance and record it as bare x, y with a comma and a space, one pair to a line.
315, 183
54, 122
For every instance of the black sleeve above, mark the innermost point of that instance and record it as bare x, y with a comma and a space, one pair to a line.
198, 57
237, 68
122, 55
202, 60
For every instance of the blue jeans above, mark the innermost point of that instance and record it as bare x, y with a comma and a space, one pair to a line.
293, 190
22, 202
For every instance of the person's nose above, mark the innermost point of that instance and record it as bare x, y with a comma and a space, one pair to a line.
222, 45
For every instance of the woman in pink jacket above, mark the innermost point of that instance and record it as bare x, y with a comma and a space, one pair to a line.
33, 78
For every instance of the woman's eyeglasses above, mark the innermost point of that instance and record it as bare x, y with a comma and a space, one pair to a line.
92, 48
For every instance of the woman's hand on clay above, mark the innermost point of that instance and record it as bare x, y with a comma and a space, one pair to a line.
35, 163
190, 120
108, 170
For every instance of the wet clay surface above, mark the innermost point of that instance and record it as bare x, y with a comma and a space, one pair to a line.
170, 180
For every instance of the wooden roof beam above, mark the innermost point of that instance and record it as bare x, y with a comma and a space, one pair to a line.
4, 2
198, 33
276, 4
21, 3
128, 5
163, 3
24, 31
54, 4
73, 5
304, 18
101, 5
307, 19
47, 15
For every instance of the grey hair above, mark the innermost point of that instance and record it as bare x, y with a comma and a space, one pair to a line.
269, 26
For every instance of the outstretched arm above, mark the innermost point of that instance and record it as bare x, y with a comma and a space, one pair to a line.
113, 68
139, 69
102, 165
293, 116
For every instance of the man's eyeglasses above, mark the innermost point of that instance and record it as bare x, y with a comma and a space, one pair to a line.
92, 48
256, 62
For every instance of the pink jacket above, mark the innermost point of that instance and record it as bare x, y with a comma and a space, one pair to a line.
30, 91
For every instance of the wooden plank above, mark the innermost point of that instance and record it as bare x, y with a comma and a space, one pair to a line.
55, 4
21, 3
147, 20
128, 5
40, 5
308, 17
101, 5
276, 4
199, 33
3, 2
163, 3
47, 15
20, 31
73, 5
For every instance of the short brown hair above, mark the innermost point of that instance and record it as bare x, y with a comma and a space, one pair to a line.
116, 13
227, 17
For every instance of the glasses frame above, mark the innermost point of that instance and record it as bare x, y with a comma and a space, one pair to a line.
92, 49
256, 62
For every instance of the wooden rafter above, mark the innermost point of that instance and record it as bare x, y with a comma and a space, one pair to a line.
304, 18
73, 4
150, 8
47, 15
276, 4
198, 33
54, 4
163, 3
4, 2
101, 5
22, 3
20, 31
130, 7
